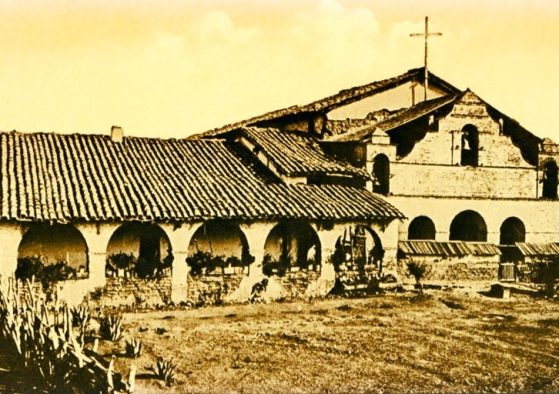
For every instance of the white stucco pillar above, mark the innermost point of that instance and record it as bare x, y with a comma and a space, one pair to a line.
328, 238
180, 237
10, 237
389, 236
256, 234
96, 237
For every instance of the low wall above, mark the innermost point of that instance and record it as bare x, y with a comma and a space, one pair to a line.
454, 270
120, 291
212, 288
295, 283
352, 276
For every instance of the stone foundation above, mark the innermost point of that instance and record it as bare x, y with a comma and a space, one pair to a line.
295, 283
454, 270
352, 276
212, 288
119, 291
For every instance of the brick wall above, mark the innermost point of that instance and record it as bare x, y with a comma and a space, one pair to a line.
466, 269
135, 291
212, 288
296, 283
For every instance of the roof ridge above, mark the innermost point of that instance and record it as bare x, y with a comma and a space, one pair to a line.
330, 102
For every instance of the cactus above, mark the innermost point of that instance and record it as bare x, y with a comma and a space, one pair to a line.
43, 336
134, 348
111, 327
164, 370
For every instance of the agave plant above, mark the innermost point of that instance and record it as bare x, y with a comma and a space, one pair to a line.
164, 370
110, 327
134, 347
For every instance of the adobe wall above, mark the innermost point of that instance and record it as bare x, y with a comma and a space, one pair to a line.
120, 291
453, 270
540, 217
213, 288
459, 181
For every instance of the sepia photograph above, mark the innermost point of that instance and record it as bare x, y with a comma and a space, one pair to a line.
313, 196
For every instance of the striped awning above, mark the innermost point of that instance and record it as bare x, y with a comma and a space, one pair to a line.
538, 249
448, 248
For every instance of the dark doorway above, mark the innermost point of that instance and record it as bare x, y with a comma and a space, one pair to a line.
381, 174
512, 231
549, 180
421, 228
468, 226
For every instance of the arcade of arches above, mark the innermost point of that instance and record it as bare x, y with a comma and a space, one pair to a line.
55, 243
294, 242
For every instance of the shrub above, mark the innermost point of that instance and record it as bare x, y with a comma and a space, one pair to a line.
134, 348
80, 318
274, 267
417, 270
57, 272
118, 261
200, 260
29, 268
164, 370
32, 267
110, 327
548, 273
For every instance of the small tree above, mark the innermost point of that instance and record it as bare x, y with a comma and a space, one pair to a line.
417, 270
548, 274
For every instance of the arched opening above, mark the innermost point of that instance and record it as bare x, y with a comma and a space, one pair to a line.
468, 226
216, 243
292, 244
512, 231
421, 227
381, 174
140, 248
469, 146
549, 180
358, 247
48, 245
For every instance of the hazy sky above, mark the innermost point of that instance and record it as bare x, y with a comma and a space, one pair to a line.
172, 68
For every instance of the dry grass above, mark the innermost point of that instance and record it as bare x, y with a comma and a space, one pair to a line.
398, 343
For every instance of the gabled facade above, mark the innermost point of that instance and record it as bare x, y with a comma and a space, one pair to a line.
458, 168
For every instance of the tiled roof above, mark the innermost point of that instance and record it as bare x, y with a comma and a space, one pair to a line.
399, 118
450, 248
549, 146
339, 99
54, 177
538, 249
297, 154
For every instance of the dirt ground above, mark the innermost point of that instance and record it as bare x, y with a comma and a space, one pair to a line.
442, 342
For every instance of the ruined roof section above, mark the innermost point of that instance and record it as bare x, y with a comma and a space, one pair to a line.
297, 154
538, 249
339, 99
397, 119
549, 146
449, 248
53, 177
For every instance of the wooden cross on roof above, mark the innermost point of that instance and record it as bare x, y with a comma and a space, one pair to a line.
426, 35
